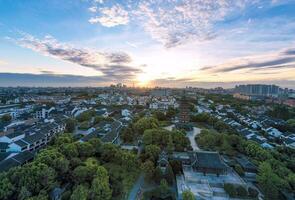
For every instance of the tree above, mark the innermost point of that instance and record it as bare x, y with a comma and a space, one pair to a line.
6, 187
53, 158
159, 137
152, 152
171, 112
85, 149
100, 187
6, 118
41, 196
70, 125
85, 116
96, 144
84, 125
163, 188
81, 192
63, 139
128, 135
170, 146
69, 150
239, 170
34, 177
230, 189
24, 194
241, 191
98, 119
180, 141
145, 123
109, 152
252, 192
188, 195
268, 181
255, 151
160, 115
291, 180
291, 123
176, 166
169, 175
158, 175
149, 169
81, 174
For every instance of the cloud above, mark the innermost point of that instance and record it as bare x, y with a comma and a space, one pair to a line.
48, 79
111, 17
65, 80
114, 65
172, 22
93, 9
278, 60
289, 52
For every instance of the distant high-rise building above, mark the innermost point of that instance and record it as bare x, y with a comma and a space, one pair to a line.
258, 90
161, 92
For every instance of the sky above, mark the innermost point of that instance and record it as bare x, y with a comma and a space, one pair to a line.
167, 43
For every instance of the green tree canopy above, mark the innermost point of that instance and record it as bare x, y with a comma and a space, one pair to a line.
188, 195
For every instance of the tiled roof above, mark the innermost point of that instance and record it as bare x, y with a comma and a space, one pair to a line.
14, 134
209, 160
3, 145
21, 143
34, 138
7, 164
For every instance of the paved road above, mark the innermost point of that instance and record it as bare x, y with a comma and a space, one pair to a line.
136, 187
191, 136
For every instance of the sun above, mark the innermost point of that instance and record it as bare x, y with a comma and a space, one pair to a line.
143, 80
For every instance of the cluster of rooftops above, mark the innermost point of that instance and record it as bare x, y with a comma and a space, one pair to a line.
19, 147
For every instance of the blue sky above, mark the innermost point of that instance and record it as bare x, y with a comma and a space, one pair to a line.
146, 42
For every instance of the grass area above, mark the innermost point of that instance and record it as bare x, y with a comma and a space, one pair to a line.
128, 177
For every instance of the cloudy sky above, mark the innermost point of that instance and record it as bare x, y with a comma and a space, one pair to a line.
175, 43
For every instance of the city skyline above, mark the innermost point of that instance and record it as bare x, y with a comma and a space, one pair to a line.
173, 43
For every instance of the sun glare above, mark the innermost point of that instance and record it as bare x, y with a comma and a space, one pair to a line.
143, 80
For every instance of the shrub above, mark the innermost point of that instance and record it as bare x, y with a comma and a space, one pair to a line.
230, 189
252, 192
239, 170
241, 191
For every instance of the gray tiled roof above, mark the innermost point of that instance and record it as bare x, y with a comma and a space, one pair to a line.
209, 160
34, 138
21, 143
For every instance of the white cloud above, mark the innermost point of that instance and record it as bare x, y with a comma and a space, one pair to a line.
176, 22
111, 17
93, 9
115, 65
172, 22
99, 1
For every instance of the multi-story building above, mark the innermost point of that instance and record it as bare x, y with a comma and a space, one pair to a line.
258, 90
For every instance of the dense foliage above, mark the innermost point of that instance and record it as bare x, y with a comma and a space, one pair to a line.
89, 170
6, 118
136, 129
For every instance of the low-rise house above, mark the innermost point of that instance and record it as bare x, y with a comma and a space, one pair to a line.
290, 143
32, 138
273, 132
15, 159
126, 113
